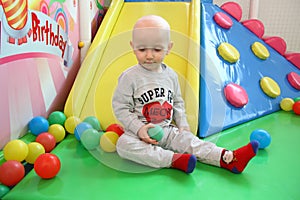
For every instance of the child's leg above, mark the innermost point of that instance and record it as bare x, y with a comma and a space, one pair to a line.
132, 148
208, 152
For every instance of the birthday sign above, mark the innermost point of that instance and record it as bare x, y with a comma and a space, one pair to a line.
39, 35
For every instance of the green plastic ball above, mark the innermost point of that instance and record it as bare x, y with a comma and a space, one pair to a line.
156, 133
57, 117
3, 190
94, 122
90, 139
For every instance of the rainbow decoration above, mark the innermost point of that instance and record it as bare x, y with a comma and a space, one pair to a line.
61, 19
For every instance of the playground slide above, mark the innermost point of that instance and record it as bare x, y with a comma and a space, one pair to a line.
110, 54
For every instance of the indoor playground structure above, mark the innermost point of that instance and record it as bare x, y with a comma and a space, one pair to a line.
238, 85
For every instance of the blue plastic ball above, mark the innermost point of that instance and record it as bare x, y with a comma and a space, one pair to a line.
38, 125
262, 136
80, 128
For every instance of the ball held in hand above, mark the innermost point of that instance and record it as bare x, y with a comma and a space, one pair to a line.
156, 133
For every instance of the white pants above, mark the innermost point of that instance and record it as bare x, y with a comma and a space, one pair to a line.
130, 147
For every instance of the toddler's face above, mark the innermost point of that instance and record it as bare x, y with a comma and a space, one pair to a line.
150, 46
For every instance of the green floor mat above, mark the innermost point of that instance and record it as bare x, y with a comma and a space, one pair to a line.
273, 174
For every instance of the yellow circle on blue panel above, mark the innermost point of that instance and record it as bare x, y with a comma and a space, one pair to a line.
228, 52
260, 50
270, 87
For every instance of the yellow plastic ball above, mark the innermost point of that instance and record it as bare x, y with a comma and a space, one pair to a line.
286, 104
71, 123
15, 150
58, 131
34, 150
108, 141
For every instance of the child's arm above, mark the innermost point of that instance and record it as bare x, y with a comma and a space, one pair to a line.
123, 105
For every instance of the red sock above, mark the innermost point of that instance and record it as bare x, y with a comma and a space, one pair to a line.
184, 162
241, 157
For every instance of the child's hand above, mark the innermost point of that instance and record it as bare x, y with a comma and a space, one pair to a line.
143, 134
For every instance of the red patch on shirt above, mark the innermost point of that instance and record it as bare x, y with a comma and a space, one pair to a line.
155, 112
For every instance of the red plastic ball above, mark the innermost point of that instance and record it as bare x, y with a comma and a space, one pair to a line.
296, 107
47, 165
47, 140
118, 129
11, 172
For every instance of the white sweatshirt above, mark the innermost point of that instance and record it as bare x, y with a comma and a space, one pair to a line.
144, 96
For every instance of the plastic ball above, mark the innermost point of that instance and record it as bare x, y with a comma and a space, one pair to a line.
47, 140
296, 107
286, 104
90, 138
94, 122
262, 136
38, 125
156, 133
58, 131
80, 128
71, 123
108, 141
11, 172
57, 117
47, 166
34, 150
15, 150
117, 128
3, 190
296, 99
